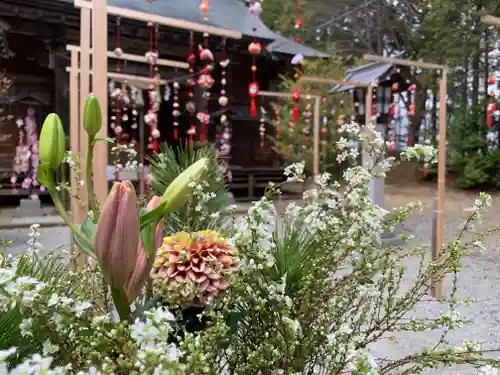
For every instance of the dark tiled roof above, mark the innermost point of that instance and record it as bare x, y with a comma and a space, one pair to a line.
364, 74
227, 14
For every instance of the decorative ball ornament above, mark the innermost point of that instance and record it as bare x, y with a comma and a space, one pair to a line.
206, 55
223, 100
191, 107
255, 48
204, 9
255, 9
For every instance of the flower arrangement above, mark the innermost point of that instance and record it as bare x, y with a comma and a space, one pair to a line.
193, 267
307, 292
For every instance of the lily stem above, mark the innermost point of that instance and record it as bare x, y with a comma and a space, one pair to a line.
121, 303
89, 181
64, 215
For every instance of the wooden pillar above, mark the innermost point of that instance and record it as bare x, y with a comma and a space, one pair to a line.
100, 90
85, 23
317, 102
77, 212
441, 174
365, 156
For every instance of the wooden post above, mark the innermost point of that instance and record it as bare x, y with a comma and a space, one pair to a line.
85, 32
77, 213
443, 101
317, 101
365, 158
438, 290
100, 89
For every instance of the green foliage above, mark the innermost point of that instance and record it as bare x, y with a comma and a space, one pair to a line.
167, 165
476, 164
51, 269
292, 146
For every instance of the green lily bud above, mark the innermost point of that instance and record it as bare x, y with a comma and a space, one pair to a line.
178, 191
52, 142
92, 116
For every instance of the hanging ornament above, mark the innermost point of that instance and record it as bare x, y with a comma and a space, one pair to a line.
490, 109
255, 50
296, 109
190, 105
253, 91
176, 109
324, 125
151, 117
426, 169
307, 120
262, 126
298, 23
204, 9
224, 149
277, 126
412, 106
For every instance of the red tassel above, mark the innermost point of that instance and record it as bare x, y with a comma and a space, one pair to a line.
410, 140
155, 145
489, 122
295, 113
176, 134
426, 169
253, 108
202, 133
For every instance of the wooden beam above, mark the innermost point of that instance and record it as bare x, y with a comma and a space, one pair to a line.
490, 20
163, 21
410, 63
136, 58
123, 77
330, 81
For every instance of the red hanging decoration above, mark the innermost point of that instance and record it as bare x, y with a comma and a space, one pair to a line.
253, 91
296, 109
255, 49
307, 120
490, 109
426, 169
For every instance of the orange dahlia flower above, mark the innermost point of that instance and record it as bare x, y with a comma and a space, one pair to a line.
189, 268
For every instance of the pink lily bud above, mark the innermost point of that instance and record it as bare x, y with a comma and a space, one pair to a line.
117, 234
143, 265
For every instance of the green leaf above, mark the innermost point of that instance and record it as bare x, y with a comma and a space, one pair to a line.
148, 239
153, 216
45, 176
109, 140
87, 229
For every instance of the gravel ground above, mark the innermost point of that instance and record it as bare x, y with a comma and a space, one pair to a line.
479, 279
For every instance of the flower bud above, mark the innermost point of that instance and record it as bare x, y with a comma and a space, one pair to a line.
143, 265
92, 117
117, 234
52, 142
178, 191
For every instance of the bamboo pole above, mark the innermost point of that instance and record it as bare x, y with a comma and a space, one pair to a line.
100, 89
438, 289
131, 78
136, 58
160, 20
316, 138
330, 81
441, 174
365, 161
